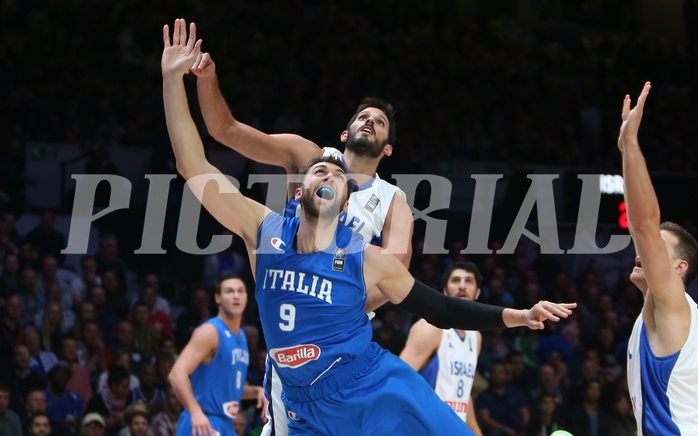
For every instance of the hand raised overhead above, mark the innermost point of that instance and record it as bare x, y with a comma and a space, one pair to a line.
181, 53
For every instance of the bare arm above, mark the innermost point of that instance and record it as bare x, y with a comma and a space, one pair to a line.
396, 283
422, 342
471, 419
286, 150
397, 239
224, 201
201, 348
666, 310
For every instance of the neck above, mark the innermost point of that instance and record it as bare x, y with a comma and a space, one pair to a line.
231, 321
315, 234
362, 168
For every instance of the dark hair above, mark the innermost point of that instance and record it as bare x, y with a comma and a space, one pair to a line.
686, 249
384, 106
117, 374
331, 160
467, 266
225, 277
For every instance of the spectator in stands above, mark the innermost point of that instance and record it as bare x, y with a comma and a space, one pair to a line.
85, 312
165, 422
145, 336
138, 423
9, 279
93, 425
124, 343
34, 403
388, 335
51, 274
52, 326
21, 379
117, 303
105, 313
501, 409
63, 407
87, 279
121, 360
80, 379
228, 261
40, 360
588, 418
9, 421
45, 237
28, 256
156, 317
198, 311
39, 425
92, 353
108, 259
32, 302
111, 403
545, 419
152, 280
11, 331
148, 391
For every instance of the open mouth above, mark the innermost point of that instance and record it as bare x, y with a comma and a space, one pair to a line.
638, 263
325, 193
367, 129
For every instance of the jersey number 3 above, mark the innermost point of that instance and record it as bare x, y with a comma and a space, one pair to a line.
287, 313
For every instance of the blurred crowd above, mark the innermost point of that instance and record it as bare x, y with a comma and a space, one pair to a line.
90, 347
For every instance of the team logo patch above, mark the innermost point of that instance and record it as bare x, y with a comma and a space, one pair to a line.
339, 257
293, 416
295, 357
372, 203
231, 409
278, 243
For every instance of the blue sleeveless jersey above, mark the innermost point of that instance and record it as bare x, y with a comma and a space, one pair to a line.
311, 305
218, 384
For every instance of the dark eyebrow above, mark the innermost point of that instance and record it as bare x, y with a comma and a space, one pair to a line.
380, 115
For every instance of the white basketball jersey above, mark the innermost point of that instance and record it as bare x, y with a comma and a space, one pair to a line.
368, 207
451, 371
663, 390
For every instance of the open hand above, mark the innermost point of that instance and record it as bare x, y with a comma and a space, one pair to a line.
547, 311
632, 117
180, 54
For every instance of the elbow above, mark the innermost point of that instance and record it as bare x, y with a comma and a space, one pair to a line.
223, 130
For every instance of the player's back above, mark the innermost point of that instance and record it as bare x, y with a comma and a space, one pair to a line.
662, 389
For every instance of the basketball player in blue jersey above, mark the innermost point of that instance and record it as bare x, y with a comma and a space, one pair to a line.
209, 375
377, 209
662, 363
312, 275
447, 358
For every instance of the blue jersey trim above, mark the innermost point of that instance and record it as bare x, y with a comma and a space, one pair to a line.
656, 371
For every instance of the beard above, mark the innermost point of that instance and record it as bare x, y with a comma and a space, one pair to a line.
308, 205
363, 146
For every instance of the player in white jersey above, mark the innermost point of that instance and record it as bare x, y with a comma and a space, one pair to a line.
662, 363
447, 358
374, 211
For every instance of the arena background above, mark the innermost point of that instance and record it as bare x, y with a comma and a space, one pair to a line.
481, 87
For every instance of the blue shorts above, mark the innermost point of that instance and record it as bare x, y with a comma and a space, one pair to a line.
222, 424
375, 394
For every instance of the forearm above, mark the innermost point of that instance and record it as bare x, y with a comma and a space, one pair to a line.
214, 109
182, 388
184, 136
444, 312
640, 198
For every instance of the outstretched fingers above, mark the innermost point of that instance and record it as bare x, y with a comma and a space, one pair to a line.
166, 35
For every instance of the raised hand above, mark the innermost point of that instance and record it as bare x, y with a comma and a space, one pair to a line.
204, 66
547, 311
180, 54
632, 117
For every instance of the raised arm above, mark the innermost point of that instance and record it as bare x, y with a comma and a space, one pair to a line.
666, 308
396, 283
200, 349
286, 150
222, 199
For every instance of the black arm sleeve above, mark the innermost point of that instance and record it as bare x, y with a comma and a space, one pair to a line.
446, 312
